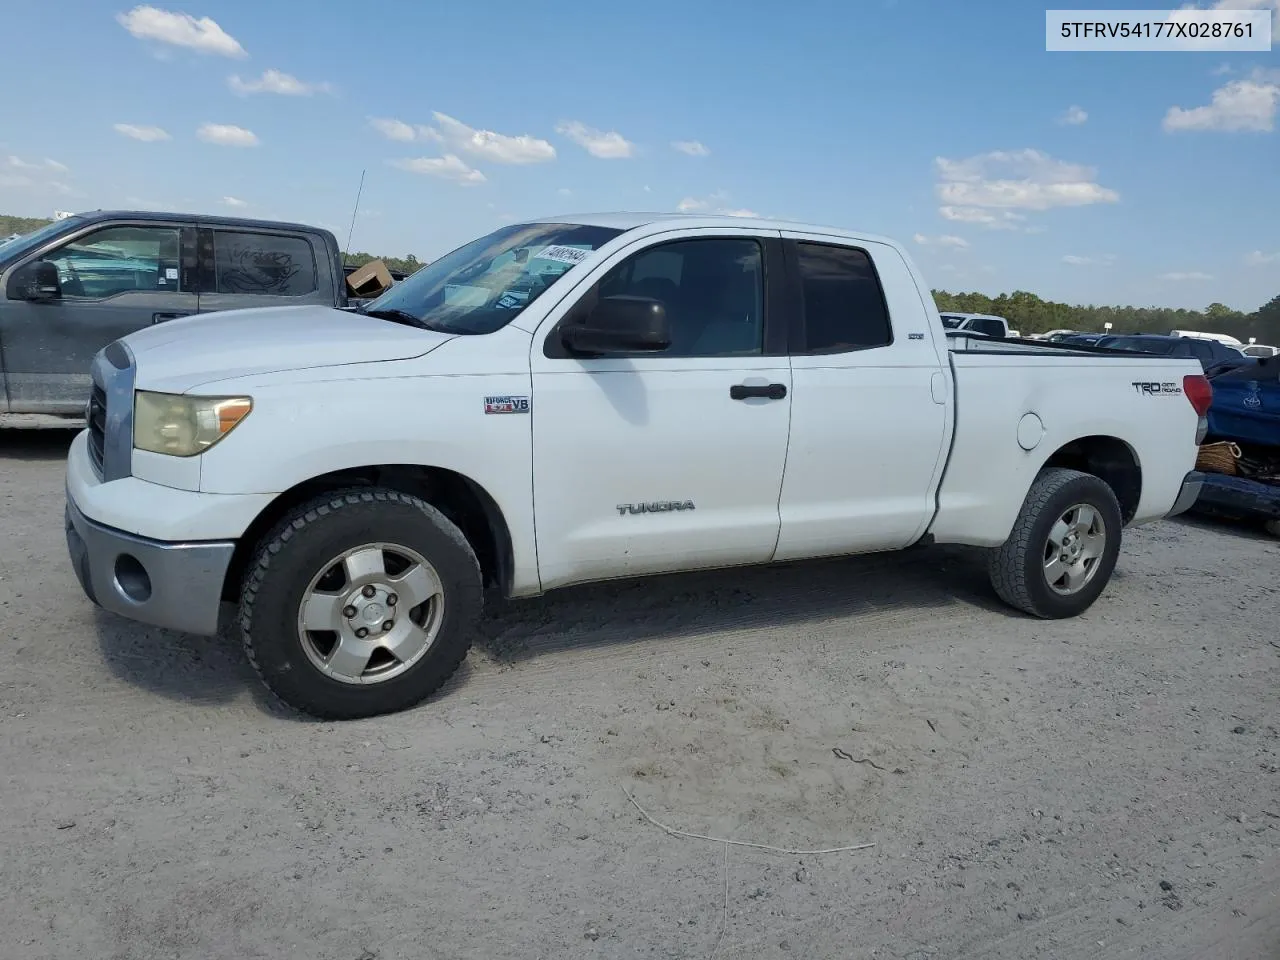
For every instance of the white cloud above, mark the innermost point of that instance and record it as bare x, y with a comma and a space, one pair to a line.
713, 206
392, 129
1074, 116
448, 167
693, 148
227, 135
565, 192
33, 175
1020, 179
497, 147
1189, 275
1222, 70
235, 202
180, 30
145, 134
274, 81
1105, 260
1239, 106
1257, 258
17, 163
943, 240
609, 145
1005, 220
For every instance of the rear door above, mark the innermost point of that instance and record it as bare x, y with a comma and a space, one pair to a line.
869, 401
114, 278
250, 266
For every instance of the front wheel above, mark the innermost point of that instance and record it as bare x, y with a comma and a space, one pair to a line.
360, 602
1062, 549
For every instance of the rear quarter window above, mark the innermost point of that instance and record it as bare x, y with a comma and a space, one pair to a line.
266, 264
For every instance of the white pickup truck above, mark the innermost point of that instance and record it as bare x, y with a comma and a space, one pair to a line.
585, 398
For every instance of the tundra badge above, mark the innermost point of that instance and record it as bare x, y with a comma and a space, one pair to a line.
658, 506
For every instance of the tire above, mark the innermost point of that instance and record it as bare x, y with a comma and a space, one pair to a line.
348, 553
1019, 569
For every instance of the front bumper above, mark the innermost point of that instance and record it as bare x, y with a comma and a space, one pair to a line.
1192, 484
172, 585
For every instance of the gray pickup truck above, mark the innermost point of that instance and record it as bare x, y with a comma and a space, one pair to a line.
73, 286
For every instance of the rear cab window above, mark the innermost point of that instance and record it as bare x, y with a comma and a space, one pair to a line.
265, 264
843, 306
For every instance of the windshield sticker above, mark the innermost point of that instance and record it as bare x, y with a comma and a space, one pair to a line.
563, 254
512, 299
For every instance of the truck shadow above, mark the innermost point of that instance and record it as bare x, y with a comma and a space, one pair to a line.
204, 671
781, 595
213, 671
35, 446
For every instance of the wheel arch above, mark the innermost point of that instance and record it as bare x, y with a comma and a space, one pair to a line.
1111, 460
464, 501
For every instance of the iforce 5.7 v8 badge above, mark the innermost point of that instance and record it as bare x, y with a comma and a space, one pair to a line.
506, 404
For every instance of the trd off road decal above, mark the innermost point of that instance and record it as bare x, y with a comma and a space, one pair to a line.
1153, 388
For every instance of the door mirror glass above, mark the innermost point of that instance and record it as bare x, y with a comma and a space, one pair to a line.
620, 324
36, 281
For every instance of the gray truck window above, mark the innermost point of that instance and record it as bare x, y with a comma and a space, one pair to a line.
120, 259
269, 264
844, 306
713, 291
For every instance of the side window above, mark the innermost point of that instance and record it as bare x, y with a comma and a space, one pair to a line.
844, 306
118, 260
268, 264
1202, 350
987, 327
712, 289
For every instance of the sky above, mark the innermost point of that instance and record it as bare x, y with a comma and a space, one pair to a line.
1149, 178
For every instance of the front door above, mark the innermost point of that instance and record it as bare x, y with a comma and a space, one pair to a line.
660, 462
113, 280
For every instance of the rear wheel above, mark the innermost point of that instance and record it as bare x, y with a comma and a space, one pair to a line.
360, 602
1063, 548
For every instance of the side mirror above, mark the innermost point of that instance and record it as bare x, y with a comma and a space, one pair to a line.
36, 281
620, 325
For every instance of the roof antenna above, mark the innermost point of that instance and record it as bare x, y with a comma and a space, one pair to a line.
353, 221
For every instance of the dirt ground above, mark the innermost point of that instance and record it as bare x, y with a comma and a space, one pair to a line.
1104, 787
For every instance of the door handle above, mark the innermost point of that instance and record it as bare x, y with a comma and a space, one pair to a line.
161, 317
768, 391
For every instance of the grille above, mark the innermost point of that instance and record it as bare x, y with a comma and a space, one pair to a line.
96, 416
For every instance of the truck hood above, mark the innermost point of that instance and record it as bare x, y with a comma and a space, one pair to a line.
179, 355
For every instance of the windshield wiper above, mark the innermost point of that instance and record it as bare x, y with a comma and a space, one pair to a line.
401, 316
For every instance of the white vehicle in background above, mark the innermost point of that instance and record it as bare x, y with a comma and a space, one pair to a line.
1229, 340
1260, 350
982, 323
590, 398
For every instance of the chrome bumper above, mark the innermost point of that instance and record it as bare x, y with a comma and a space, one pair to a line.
1190, 492
173, 585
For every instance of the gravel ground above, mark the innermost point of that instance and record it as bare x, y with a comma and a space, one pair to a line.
1103, 787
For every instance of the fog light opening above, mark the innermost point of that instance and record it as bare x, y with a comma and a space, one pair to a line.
132, 578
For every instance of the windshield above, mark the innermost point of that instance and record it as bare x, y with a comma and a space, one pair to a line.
29, 241
951, 321
483, 285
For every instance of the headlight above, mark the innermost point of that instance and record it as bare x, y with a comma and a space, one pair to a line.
183, 426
